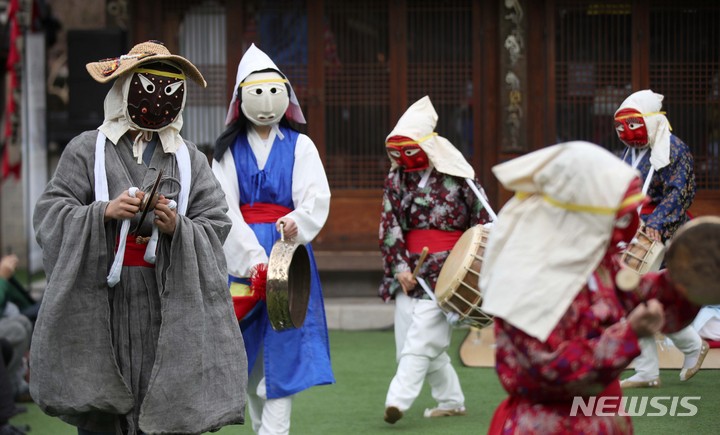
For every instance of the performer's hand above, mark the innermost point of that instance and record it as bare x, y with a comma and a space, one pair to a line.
290, 230
7, 266
165, 216
653, 234
124, 206
647, 318
406, 280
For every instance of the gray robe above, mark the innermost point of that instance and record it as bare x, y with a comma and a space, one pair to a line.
163, 346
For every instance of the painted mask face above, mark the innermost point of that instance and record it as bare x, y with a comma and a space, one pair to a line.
156, 96
627, 220
407, 154
264, 98
631, 129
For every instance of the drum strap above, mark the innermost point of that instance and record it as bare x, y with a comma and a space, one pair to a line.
435, 240
263, 212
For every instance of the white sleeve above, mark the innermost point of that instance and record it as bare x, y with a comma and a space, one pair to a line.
242, 249
310, 191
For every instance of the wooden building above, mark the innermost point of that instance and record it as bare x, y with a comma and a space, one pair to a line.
506, 77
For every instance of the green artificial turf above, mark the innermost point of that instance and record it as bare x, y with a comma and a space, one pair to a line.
364, 363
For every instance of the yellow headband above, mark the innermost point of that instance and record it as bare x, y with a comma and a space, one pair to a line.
257, 82
411, 142
637, 198
585, 208
160, 73
633, 115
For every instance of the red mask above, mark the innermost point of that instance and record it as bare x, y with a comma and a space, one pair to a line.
627, 220
407, 154
630, 128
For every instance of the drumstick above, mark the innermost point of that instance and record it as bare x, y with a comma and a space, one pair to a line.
420, 262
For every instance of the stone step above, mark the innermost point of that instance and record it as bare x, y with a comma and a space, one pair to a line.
359, 313
345, 313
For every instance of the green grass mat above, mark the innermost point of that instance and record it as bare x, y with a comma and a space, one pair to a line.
364, 363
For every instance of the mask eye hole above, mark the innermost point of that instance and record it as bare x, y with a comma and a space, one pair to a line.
147, 84
394, 153
634, 125
172, 88
258, 91
412, 152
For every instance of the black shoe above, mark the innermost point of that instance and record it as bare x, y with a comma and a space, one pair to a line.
392, 414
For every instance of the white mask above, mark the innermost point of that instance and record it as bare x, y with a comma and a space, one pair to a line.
264, 98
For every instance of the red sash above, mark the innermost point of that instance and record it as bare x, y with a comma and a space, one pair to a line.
263, 212
134, 253
435, 240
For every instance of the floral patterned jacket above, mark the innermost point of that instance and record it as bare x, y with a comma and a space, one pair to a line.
583, 356
671, 190
445, 203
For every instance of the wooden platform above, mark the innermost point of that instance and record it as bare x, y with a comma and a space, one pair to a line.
478, 350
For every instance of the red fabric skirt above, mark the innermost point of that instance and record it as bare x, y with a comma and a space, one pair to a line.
507, 407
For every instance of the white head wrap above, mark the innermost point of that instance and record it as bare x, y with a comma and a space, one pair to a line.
648, 104
252, 61
418, 123
117, 120
551, 236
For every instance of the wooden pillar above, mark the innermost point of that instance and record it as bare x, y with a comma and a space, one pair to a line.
315, 105
486, 91
539, 67
235, 44
397, 36
640, 45
147, 21
549, 110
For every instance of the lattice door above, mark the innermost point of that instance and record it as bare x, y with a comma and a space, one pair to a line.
685, 68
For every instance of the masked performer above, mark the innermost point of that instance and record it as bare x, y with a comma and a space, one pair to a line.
427, 202
666, 168
136, 331
272, 175
551, 277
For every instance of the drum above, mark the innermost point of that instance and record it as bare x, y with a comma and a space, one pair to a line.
288, 284
643, 254
693, 260
457, 288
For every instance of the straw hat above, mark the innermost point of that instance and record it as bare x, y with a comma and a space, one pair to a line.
106, 70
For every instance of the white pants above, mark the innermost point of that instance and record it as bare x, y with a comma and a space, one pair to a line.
422, 337
647, 365
269, 417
